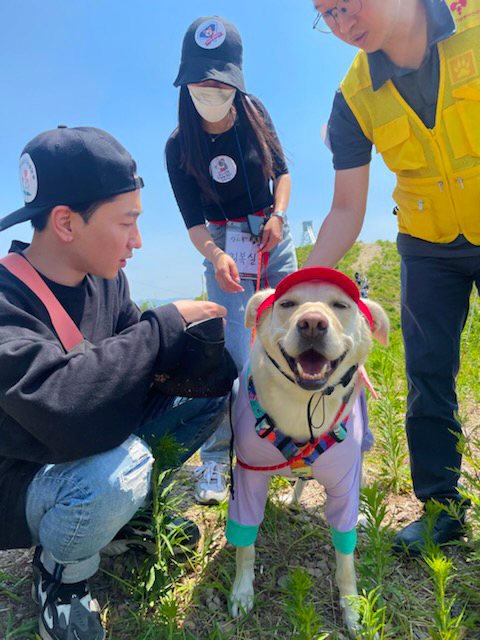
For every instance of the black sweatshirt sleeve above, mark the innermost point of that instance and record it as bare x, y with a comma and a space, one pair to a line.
68, 406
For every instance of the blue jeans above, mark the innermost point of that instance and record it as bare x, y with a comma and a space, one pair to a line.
282, 261
74, 509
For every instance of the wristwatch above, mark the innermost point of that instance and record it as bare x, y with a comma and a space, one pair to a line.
279, 213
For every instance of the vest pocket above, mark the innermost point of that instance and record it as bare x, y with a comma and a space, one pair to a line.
416, 215
462, 119
400, 149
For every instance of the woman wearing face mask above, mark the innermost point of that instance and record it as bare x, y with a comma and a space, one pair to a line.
229, 177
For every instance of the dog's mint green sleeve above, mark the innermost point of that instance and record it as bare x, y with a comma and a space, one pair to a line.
240, 535
344, 541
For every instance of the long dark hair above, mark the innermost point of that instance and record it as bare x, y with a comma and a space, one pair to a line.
193, 149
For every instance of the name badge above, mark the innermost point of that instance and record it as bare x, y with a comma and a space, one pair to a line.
243, 248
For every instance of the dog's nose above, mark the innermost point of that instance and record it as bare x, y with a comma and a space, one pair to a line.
312, 325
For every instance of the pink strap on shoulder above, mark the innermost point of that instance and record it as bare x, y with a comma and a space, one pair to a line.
64, 326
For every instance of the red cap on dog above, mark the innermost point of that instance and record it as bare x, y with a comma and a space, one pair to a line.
323, 274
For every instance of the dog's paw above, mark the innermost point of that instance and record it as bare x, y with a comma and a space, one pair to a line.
241, 602
350, 616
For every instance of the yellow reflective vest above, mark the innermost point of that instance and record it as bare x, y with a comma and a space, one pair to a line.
438, 170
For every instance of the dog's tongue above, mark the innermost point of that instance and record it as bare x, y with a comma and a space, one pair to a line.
312, 363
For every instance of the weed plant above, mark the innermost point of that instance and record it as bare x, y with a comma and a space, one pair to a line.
372, 616
470, 489
446, 626
304, 620
387, 415
376, 563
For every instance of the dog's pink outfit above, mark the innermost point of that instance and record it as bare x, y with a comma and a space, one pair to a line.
337, 469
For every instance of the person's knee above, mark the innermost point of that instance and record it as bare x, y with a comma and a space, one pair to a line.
75, 509
130, 480
119, 484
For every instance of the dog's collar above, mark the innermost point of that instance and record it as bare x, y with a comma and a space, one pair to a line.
344, 380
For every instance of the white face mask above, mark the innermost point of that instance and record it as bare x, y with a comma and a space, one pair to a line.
212, 103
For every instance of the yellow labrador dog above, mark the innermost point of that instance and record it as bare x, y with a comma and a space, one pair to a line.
300, 413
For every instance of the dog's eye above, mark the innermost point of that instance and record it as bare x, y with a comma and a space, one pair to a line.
288, 304
340, 305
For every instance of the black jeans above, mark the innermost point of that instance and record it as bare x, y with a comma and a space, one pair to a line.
435, 295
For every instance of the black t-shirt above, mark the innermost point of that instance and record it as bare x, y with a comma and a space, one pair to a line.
235, 172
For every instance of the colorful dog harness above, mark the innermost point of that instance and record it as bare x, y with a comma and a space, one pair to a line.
299, 456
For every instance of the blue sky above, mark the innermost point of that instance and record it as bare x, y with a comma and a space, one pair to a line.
111, 65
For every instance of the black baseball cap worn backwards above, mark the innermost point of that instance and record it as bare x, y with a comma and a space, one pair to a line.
212, 50
71, 166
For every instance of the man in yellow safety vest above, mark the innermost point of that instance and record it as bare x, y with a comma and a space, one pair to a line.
413, 91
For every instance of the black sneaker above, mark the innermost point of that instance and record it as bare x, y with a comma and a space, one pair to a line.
138, 534
67, 611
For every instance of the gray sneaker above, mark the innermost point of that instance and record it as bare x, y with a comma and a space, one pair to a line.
67, 611
211, 486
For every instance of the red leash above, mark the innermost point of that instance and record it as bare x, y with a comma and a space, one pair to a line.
262, 260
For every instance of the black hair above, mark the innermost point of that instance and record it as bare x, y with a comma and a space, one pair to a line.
84, 209
193, 149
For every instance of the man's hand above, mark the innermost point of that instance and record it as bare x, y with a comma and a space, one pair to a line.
197, 310
226, 273
272, 233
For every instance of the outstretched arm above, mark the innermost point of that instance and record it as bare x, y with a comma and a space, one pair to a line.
344, 222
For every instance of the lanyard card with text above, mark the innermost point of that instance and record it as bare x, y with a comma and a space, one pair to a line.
243, 248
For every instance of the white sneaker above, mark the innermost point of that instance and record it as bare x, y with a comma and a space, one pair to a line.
211, 487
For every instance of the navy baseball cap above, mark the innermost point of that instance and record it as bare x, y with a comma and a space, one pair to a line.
71, 166
212, 50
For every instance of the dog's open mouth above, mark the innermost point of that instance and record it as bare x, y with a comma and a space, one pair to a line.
311, 369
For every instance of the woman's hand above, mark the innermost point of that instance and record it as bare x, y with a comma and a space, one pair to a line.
226, 273
272, 233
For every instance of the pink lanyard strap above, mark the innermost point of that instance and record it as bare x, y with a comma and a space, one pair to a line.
64, 326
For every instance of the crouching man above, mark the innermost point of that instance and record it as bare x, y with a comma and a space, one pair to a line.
74, 464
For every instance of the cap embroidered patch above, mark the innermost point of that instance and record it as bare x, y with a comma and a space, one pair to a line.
223, 169
28, 178
210, 34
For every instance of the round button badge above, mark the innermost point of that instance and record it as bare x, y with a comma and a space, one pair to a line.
223, 169
28, 178
210, 34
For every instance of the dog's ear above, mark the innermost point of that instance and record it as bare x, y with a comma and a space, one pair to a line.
252, 306
381, 323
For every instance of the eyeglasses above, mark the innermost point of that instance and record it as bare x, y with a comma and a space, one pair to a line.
329, 20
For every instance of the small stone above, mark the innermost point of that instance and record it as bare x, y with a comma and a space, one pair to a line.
212, 605
282, 581
323, 566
